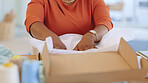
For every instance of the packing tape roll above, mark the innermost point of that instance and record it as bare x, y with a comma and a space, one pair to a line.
9, 73
30, 72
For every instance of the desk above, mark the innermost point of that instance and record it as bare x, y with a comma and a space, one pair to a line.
144, 64
138, 45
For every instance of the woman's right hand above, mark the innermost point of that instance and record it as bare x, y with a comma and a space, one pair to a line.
57, 43
39, 28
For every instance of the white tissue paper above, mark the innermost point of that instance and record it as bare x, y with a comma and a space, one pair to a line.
109, 42
139, 61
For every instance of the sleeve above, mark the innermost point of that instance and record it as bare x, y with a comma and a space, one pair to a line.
35, 12
101, 14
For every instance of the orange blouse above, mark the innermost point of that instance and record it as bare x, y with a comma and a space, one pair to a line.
60, 18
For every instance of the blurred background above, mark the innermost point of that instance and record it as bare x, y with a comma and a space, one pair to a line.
131, 14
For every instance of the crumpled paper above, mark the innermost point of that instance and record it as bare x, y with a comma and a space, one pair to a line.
109, 42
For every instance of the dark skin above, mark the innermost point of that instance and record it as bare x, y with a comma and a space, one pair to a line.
40, 28
87, 42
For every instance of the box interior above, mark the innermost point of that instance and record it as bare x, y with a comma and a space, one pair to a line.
72, 66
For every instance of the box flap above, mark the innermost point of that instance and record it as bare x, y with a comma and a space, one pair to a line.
128, 54
144, 63
46, 60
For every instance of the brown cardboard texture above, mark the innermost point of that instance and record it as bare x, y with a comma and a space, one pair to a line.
101, 67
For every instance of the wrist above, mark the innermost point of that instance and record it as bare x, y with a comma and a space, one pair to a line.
90, 36
94, 34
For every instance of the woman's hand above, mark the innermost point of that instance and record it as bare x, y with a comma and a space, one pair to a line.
89, 39
57, 43
87, 42
39, 28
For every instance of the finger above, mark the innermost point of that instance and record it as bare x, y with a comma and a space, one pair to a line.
94, 46
86, 47
64, 48
76, 48
82, 48
53, 46
57, 47
89, 47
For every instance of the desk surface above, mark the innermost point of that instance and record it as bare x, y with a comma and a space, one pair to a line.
138, 45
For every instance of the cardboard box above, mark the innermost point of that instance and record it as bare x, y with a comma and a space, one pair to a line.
102, 67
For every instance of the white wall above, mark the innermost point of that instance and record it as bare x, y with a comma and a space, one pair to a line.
131, 10
1, 10
112, 1
132, 14
19, 6
6, 6
142, 12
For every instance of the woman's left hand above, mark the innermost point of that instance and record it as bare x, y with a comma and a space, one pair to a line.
87, 42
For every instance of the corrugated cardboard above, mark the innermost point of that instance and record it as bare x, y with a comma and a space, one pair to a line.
101, 67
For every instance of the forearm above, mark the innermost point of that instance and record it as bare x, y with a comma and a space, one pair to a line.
88, 40
40, 31
101, 31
